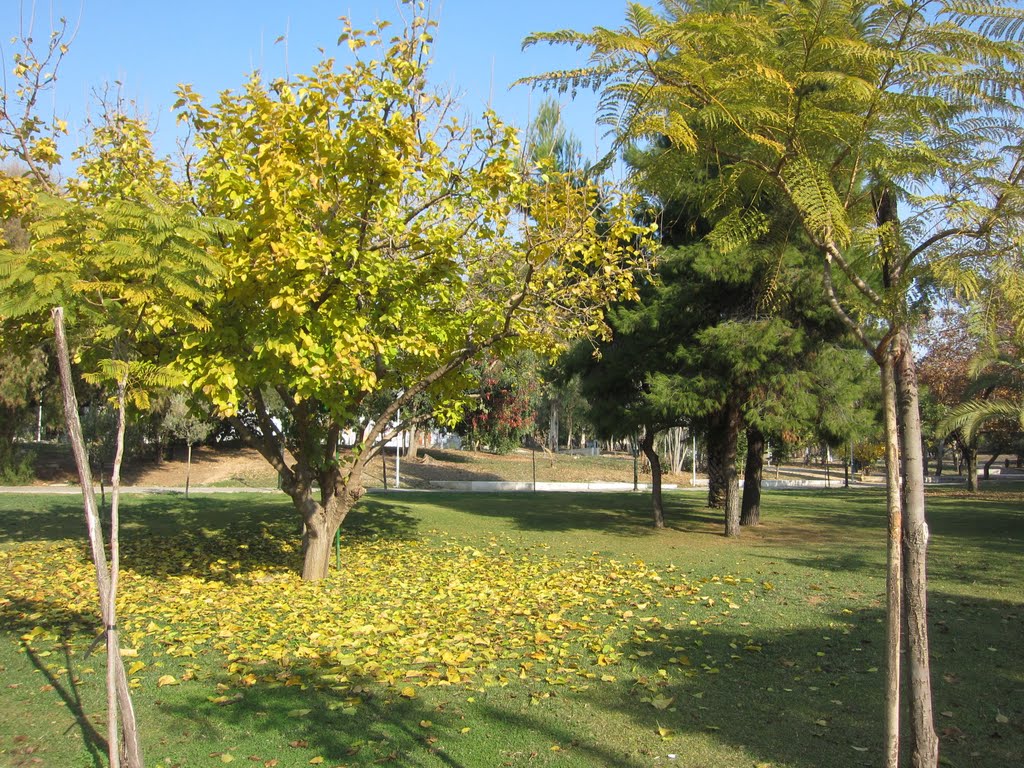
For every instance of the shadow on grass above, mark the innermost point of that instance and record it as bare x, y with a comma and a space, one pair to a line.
813, 697
367, 723
95, 743
260, 532
621, 514
807, 697
993, 517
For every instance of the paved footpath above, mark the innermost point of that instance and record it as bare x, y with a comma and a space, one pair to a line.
498, 486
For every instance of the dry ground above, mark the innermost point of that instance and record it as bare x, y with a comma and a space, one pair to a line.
216, 466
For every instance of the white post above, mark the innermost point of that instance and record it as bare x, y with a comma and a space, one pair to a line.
398, 455
39, 421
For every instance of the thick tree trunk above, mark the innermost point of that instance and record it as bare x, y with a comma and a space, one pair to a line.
321, 520
894, 565
647, 446
732, 479
750, 514
925, 741
317, 538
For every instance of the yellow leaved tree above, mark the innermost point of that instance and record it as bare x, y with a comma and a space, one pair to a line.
383, 245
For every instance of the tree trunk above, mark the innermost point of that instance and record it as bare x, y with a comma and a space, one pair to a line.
988, 465
940, 454
751, 511
188, 469
715, 458
317, 538
117, 680
925, 741
970, 454
161, 447
894, 565
732, 479
553, 427
321, 519
675, 448
131, 751
647, 445
413, 450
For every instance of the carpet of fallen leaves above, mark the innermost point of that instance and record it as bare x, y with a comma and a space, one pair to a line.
403, 613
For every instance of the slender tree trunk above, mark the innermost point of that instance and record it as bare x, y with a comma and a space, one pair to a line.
940, 454
988, 465
732, 479
647, 445
925, 753
131, 749
894, 565
110, 609
750, 514
188, 469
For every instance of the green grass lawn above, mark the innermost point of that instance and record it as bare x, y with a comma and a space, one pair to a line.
519, 629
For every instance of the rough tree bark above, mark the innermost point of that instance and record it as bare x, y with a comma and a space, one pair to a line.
322, 518
647, 446
715, 457
750, 514
732, 480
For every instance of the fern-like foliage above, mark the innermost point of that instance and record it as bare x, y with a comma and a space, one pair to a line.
127, 268
827, 100
972, 416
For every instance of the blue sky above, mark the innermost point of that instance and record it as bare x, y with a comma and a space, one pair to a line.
150, 46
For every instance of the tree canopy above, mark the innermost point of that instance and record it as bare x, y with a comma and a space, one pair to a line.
383, 244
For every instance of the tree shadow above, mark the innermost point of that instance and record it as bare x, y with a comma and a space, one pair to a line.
361, 722
814, 696
95, 743
623, 514
164, 536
